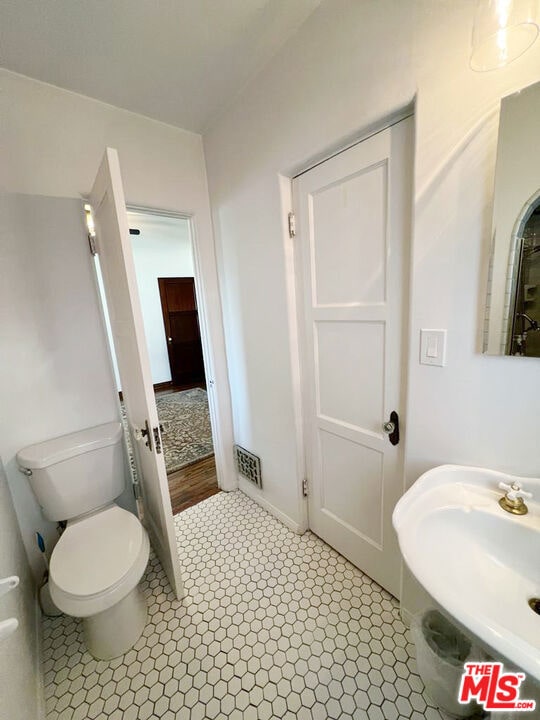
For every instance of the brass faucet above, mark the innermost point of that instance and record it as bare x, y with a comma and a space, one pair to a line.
512, 500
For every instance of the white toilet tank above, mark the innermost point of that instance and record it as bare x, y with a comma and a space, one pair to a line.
76, 473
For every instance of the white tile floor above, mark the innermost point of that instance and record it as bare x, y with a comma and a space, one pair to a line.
273, 625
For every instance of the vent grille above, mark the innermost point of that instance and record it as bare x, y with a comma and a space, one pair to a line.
249, 465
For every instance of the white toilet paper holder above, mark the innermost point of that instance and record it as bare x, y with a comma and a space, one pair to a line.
8, 583
11, 624
7, 627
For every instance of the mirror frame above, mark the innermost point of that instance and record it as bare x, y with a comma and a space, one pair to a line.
514, 266
511, 213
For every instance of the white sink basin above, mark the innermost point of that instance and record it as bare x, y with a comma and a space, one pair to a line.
477, 561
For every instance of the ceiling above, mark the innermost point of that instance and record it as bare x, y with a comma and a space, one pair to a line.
179, 61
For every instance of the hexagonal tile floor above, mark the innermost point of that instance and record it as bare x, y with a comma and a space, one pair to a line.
273, 625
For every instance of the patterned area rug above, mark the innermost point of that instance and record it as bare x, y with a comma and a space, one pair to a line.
186, 434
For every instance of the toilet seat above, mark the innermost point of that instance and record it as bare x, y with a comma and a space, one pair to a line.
98, 560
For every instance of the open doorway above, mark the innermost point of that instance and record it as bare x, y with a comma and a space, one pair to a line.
163, 256
164, 264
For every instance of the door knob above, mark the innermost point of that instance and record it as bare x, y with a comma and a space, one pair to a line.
169, 339
391, 428
143, 434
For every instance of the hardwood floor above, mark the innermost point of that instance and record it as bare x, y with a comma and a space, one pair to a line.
192, 484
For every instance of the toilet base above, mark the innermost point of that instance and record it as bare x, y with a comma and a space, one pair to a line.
114, 631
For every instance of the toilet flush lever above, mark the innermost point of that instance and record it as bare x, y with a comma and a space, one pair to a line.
8, 583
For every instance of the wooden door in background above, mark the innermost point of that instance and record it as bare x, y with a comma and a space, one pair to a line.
181, 320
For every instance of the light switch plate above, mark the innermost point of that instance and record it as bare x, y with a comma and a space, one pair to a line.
433, 347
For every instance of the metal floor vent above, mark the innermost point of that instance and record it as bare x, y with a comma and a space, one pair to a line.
249, 465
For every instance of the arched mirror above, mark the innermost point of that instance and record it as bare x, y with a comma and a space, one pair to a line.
512, 325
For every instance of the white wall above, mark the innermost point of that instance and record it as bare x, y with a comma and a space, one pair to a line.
53, 143
478, 410
318, 92
163, 249
518, 160
351, 65
21, 692
54, 366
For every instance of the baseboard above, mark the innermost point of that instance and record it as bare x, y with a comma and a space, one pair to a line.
40, 682
163, 555
406, 616
167, 385
252, 492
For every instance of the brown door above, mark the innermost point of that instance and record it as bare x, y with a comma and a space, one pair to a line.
179, 307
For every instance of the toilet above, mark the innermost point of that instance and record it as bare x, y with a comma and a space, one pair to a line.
96, 566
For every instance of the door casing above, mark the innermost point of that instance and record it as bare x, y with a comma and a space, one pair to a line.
218, 397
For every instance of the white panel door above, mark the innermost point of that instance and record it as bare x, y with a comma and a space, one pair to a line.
352, 239
119, 280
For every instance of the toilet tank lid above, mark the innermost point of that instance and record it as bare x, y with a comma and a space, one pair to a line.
53, 451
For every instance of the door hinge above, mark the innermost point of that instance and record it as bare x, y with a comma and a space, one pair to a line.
135, 484
305, 490
92, 244
292, 225
89, 222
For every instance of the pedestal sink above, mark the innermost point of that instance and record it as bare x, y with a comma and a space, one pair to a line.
479, 562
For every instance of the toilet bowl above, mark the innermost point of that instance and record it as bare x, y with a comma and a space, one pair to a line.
96, 565
94, 572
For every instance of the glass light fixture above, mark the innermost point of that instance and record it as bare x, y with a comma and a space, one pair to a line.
89, 222
502, 31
